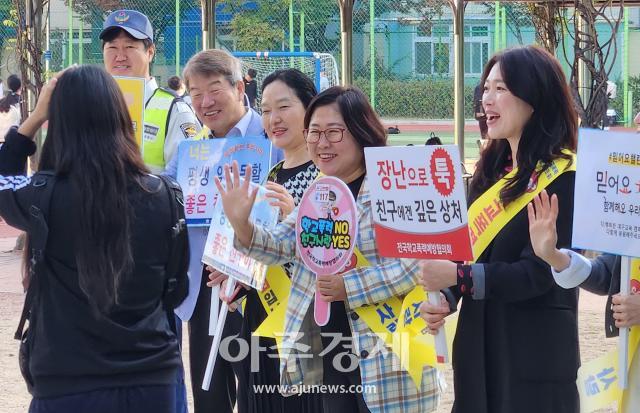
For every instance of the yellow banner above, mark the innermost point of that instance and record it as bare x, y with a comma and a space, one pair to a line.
598, 379
598, 383
487, 216
418, 348
133, 90
634, 338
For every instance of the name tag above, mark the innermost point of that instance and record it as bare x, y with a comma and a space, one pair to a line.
150, 132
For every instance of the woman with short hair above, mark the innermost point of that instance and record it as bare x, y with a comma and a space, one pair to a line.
339, 124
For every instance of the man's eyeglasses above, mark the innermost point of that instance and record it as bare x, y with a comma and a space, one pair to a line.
333, 135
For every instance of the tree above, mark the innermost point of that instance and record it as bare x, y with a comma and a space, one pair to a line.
30, 18
161, 13
8, 21
259, 25
545, 17
253, 33
595, 53
518, 16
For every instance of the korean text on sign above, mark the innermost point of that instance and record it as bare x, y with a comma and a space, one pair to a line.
418, 202
607, 195
202, 160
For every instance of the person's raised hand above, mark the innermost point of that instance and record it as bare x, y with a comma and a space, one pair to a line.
40, 113
543, 212
281, 198
237, 200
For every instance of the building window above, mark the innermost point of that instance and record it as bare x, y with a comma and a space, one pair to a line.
476, 55
432, 49
476, 49
423, 58
441, 58
432, 58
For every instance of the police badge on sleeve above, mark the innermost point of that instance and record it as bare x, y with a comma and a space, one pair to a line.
189, 129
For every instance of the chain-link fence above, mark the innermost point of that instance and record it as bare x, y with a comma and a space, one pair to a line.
75, 30
8, 19
403, 51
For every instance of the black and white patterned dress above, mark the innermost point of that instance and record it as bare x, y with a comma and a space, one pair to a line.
296, 180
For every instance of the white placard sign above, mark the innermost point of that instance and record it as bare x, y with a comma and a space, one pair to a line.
418, 202
607, 193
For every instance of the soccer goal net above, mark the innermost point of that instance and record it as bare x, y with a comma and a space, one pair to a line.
321, 67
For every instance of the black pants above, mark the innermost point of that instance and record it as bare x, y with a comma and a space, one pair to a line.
222, 394
339, 402
156, 399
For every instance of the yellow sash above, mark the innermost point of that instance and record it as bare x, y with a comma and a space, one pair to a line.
276, 288
598, 379
487, 215
634, 341
277, 280
397, 322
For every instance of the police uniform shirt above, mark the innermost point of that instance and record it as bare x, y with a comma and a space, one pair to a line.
183, 124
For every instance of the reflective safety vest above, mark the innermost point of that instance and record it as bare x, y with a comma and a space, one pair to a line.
156, 123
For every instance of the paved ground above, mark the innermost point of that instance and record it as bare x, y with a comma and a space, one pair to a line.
14, 397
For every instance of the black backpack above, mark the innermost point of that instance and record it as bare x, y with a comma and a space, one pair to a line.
176, 282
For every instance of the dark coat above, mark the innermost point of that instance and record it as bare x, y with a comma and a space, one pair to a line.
604, 279
517, 350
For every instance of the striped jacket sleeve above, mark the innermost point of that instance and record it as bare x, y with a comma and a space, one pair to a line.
14, 185
390, 278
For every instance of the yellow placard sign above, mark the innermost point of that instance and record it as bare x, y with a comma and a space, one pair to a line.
598, 379
133, 90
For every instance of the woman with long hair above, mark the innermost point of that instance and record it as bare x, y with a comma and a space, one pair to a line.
286, 94
339, 124
516, 344
99, 336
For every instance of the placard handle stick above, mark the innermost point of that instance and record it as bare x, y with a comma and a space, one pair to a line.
442, 353
213, 309
623, 339
215, 345
321, 310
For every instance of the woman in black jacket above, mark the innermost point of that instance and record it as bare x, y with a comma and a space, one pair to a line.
516, 344
99, 337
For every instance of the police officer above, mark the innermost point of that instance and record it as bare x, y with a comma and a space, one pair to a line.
128, 49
